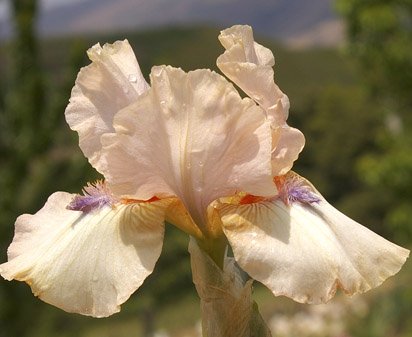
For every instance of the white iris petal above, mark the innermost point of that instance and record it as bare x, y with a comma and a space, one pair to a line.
88, 263
307, 250
112, 81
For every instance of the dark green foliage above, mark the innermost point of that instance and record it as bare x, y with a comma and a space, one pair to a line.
380, 39
33, 154
340, 125
21, 101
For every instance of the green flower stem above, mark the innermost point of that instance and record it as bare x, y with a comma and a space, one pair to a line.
227, 307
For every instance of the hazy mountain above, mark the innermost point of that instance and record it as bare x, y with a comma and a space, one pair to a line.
297, 22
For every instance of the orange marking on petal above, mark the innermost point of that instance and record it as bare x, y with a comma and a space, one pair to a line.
251, 199
135, 201
280, 181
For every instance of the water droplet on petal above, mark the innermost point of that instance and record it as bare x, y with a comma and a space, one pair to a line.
132, 78
188, 165
199, 189
201, 163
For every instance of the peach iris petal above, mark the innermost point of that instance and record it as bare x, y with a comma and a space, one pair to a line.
112, 81
249, 65
191, 135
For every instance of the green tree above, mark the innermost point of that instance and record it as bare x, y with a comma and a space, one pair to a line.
380, 39
339, 130
33, 152
23, 100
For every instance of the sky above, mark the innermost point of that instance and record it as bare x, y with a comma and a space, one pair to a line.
295, 22
45, 4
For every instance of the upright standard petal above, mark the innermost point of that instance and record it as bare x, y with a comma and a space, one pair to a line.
249, 65
193, 136
287, 144
86, 262
110, 83
299, 246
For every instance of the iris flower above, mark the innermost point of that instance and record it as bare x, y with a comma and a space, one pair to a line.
189, 150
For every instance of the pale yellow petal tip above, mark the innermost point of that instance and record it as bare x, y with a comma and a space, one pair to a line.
357, 289
4, 274
41, 292
235, 30
391, 267
94, 52
159, 71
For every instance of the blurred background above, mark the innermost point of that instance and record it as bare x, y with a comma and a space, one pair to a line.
347, 69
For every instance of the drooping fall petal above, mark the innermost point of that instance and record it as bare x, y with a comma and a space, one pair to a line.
300, 246
88, 263
193, 136
249, 65
112, 81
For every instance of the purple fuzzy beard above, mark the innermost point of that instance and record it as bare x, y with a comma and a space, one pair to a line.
302, 194
95, 196
293, 188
